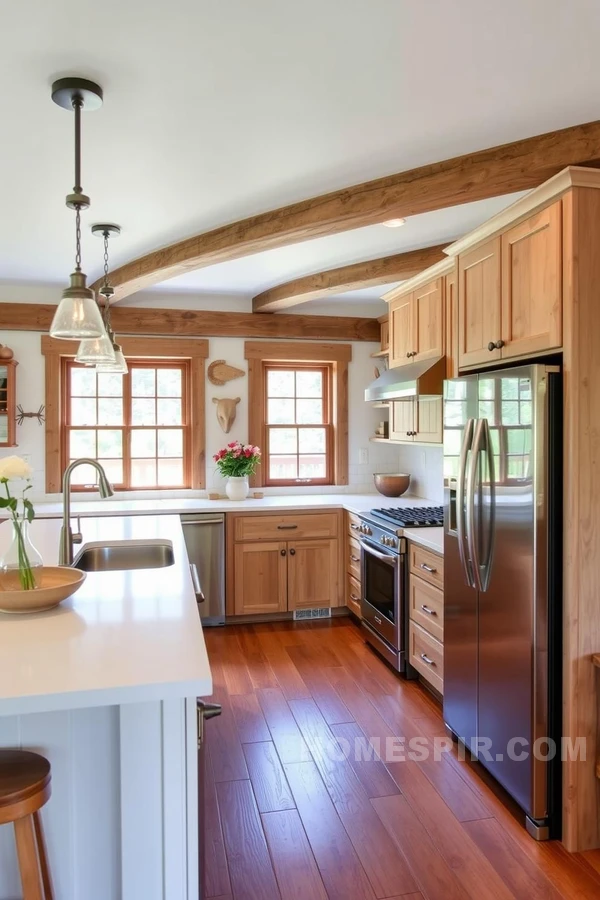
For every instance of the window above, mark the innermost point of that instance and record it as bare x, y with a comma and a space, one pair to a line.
136, 425
298, 430
298, 411
146, 428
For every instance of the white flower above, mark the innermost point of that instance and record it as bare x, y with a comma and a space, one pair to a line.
13, 467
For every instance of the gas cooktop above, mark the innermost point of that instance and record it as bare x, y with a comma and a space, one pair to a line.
412, 516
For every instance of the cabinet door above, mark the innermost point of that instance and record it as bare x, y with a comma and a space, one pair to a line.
260, 578
313, 574
401, 331
531, 284
451, 324
402, 420
479, 304
428, 321
429, 420
385, 335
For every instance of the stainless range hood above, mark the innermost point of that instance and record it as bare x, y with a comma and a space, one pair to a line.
417, 379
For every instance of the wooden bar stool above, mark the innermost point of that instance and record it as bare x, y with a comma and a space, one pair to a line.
24, 788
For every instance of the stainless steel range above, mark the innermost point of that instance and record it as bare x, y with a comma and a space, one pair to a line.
384, 576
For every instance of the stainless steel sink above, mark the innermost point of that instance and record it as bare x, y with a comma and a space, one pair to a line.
113, 556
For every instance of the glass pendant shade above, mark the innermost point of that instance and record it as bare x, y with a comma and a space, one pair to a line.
119, 366
96, 351
77, 316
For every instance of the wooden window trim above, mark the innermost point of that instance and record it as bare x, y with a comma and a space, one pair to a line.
196, 351
328, 422
183, 365
259, 353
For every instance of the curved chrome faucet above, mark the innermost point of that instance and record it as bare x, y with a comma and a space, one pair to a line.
67, 538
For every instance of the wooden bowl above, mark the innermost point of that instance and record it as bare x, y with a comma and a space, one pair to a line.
391, 485
56, 583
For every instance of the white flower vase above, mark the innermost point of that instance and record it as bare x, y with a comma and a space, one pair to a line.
237, 487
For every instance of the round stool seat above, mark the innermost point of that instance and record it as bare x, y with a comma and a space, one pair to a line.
24, 788
22, 775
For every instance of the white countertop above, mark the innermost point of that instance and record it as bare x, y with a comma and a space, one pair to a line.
432, 538
124, 637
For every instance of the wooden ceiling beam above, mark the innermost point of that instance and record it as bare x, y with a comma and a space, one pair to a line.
517, 166
201, 323
366, 274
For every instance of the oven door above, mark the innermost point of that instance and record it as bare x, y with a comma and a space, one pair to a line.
380, 605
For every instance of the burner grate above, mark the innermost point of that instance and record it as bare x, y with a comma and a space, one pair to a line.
412, 516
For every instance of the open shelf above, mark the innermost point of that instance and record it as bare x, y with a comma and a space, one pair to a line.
379, 354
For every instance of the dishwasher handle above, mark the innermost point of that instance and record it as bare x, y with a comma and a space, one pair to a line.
200, 598
185, 522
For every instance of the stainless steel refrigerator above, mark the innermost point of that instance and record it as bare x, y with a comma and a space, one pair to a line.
502, 559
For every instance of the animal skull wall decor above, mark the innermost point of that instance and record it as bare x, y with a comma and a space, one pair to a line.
226, 410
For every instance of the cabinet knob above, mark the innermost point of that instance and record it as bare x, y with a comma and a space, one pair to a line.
408, 354
499, 345
491, 346
283, 552
495, 345
292, 552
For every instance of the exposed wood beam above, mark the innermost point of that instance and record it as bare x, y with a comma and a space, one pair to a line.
518, 166
192, 323
347, 278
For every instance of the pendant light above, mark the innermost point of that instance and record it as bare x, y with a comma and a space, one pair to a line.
77, 315
118, 363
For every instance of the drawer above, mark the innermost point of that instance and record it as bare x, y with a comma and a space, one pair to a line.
427, 656
353, 524
353, 558
286, 527
427, 606
353, 593
426, 565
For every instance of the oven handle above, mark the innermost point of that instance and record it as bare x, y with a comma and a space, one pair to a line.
384, 557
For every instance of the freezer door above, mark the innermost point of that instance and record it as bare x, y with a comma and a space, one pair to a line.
504, 486
460, 596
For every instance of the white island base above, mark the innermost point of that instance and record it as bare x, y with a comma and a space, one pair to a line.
105, 687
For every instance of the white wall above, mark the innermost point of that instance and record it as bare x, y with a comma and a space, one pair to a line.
425, 466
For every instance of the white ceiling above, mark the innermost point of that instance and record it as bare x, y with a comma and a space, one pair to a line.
218, 110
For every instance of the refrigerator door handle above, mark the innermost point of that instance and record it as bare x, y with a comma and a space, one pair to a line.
487, 566
460, 500
471, 485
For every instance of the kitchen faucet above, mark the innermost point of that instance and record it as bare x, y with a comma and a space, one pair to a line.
67, 538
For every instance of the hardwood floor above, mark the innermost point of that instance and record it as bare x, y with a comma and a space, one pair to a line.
291, 815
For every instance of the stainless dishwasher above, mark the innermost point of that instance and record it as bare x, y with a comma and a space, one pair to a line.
205, 541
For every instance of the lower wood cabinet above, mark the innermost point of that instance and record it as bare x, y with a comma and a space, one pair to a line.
276, 576
260, 578
426, 612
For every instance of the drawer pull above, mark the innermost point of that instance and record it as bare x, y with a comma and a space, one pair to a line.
354, 527
355, 558
355, 598
426, 659
377, 619
430, 612
429, 569
286, 527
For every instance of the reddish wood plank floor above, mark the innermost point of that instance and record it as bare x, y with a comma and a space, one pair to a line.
291, 816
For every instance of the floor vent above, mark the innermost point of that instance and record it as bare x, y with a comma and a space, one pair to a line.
324, 613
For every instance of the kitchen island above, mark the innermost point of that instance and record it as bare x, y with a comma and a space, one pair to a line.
105, 687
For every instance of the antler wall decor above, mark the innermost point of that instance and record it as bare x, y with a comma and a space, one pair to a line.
40, 415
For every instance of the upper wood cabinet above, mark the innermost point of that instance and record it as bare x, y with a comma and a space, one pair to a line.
428, 321
479, 304
400, 334
385, 335
428, 415
451, 323
402, 420
531, 284
510, 292
416, 323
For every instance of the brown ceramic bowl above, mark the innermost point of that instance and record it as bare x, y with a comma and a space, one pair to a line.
391, 485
